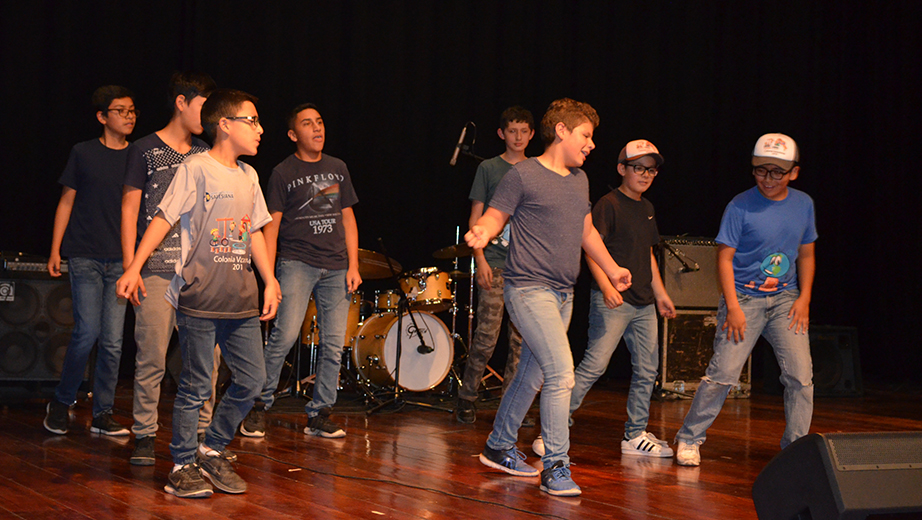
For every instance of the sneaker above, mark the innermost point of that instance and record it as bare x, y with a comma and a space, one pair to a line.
646, 445
321, 426
187, 482
512, 461
56, 417
538, 446
143, 454
556, 481
687, 454
254, 424
227, 454
466, 412
104, 424
220, 471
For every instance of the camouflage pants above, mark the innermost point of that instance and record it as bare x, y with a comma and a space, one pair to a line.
489, 321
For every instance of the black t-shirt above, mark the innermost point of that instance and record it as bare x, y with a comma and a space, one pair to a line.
96, 173
628, 229
311, 197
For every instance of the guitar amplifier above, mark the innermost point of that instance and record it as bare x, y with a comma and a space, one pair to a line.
689, 269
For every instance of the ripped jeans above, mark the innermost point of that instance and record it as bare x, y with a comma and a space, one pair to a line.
766, 316
542, 316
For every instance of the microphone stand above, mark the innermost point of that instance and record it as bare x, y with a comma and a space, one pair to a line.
680, 256
402, 305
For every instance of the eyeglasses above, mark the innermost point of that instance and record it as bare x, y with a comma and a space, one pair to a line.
252, 120
775, 173
125, 112
640, 169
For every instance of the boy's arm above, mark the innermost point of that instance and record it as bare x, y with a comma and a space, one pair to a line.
128, 284
663, 301
487, 226
272, 294
806, 269
484, 272
131, 206
735, 325
271, 235
596, 250
610, 294
353, 278
61, 218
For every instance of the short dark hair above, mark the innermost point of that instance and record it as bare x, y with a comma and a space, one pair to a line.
103, 96
293, 116
223, 102
516, 114
189, 85
569, 112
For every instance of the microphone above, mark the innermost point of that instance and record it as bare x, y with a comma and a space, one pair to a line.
424, 349
454, 156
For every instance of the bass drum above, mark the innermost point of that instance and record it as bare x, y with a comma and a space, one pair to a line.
375, 352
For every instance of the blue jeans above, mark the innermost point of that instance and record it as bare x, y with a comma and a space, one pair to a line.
542, 316
298, 281
606, 327
241, 346
98, 316
768, 316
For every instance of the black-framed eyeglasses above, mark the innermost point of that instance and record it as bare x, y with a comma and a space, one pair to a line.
125, 112
775, 173
252, 120
640, 169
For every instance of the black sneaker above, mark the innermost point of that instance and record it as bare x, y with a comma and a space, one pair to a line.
321, 426
556, 480
106, 425
56, 417
187, 482
465, 412
254, 424
220, 472
143, 454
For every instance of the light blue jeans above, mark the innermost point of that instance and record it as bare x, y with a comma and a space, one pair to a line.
241, 347
298, 281
542, 316
768, 316
606, 327
98, 316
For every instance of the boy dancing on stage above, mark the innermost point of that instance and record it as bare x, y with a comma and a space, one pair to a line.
546, 201
765, 262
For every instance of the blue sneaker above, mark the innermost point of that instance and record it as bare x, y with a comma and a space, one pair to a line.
512, 461
556, 481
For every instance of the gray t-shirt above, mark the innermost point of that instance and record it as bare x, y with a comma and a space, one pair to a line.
217, 207
311, 197
489, 174
153, 175
548, 212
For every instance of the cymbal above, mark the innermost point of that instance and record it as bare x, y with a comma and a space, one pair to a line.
454, 251
458, 274
373, 265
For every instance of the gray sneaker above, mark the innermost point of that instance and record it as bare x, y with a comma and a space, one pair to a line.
143, 454
254, 424
220, 472
320, 426
187, 482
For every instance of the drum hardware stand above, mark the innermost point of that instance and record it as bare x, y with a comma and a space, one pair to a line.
296, 389
402, 305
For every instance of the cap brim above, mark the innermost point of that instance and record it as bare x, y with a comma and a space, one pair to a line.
761, 161
656, 157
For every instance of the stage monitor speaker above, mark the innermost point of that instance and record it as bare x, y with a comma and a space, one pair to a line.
689, 269
36, 320
843, 476
836, 363
687, 344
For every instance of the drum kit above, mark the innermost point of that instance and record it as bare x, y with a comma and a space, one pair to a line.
394, 341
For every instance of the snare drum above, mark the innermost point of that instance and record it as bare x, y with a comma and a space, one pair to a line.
375, 352
310, 330
386, 300
427, 289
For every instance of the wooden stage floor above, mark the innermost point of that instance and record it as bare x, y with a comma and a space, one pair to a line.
417, 463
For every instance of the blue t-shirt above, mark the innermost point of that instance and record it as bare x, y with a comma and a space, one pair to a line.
548, 212
766, 235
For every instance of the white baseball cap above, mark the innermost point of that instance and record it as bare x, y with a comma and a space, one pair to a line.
637, 149
777, 149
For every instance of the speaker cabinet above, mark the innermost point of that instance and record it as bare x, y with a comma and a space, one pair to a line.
836, 363
689, 269
36, 320
687, 344
843, 476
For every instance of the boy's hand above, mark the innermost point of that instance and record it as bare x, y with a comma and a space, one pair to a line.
54, 265
272, 295
799, 316
620, 279
484, 274
128, 286
477, 237
612, 297
665, 307
735, 325
353, 280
